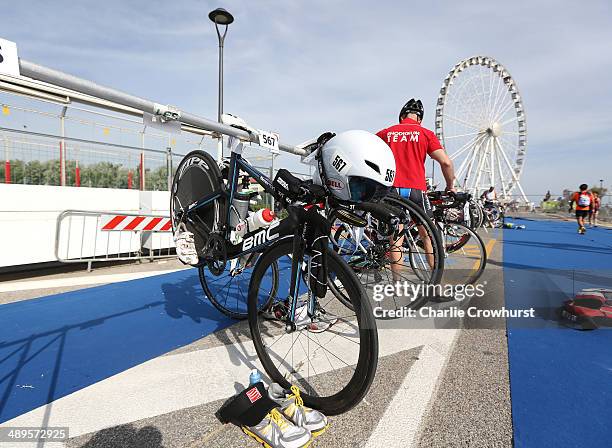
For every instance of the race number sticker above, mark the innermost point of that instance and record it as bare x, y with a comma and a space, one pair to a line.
340, 162
9, 62
268, 140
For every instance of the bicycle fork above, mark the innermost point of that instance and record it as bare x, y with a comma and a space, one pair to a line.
309, 237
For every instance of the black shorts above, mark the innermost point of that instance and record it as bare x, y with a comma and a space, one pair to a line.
582, 213
419, 197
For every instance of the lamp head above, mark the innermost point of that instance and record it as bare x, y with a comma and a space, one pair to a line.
221, 16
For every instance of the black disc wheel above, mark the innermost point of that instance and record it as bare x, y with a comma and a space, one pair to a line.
197, 176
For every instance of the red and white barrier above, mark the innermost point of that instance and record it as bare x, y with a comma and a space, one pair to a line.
146, 223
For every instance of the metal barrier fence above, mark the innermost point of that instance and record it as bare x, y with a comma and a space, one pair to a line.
47, 144
87, 237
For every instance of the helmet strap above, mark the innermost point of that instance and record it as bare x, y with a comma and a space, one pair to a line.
322, 173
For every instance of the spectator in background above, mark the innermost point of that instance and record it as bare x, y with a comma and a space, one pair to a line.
489, 195
584, 203
594, 210
547, 196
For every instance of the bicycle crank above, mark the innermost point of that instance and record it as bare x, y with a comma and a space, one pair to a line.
215, 254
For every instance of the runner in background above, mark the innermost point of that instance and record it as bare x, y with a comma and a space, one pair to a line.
411, 143
584, 202
595, 210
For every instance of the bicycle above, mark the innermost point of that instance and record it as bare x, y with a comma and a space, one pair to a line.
493, 214
381, 233
451, 212
288, 291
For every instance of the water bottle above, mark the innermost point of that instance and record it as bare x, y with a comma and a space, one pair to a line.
259, 219
254, 377
241, 208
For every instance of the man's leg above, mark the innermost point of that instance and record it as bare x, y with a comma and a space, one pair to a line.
427, 246
396, 255
580, 217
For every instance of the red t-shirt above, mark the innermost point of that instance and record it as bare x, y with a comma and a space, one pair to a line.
410, 143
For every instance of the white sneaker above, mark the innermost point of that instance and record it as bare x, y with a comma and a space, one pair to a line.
276, 431
319, 325
293, 408
185, 248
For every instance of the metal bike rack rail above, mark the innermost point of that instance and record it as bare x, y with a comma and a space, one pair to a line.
88, 92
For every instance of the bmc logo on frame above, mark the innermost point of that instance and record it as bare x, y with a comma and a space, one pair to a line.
260, 237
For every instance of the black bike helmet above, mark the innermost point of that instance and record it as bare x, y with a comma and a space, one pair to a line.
412, 106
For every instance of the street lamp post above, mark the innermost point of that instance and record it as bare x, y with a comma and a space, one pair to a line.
220, 17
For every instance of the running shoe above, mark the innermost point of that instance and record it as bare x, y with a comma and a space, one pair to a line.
292, 406
276, 431
185, 248
319, 324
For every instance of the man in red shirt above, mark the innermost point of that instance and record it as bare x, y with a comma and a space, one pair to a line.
584, 203
411, 143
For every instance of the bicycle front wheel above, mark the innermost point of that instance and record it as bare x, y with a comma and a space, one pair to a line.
331, 356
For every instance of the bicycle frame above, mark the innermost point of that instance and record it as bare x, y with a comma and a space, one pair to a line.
252, 241
257, 240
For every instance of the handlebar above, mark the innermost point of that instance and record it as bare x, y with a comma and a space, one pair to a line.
379, 211
459, 197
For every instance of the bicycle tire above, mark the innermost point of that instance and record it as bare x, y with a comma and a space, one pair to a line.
419, 216
476, 215
231, 296
481, 248
353, 390
197, 176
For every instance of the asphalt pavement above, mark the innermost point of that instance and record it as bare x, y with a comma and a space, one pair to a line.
171, 383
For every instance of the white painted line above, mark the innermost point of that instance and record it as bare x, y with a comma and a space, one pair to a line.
27, 285
175, 382
400, 424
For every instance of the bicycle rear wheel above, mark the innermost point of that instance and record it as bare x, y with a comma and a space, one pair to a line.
419, 265
229, 291
196, 177
466, 251
333, 356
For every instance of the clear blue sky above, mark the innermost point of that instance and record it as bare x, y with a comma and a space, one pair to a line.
305, 67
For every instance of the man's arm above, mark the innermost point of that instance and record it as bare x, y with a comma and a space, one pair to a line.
446, 165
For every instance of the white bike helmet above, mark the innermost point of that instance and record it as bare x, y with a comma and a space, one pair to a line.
354, 165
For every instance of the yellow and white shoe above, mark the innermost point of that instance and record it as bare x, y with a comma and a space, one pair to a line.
276, 431
292, 406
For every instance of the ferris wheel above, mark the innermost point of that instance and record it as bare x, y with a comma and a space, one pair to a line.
480, 120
